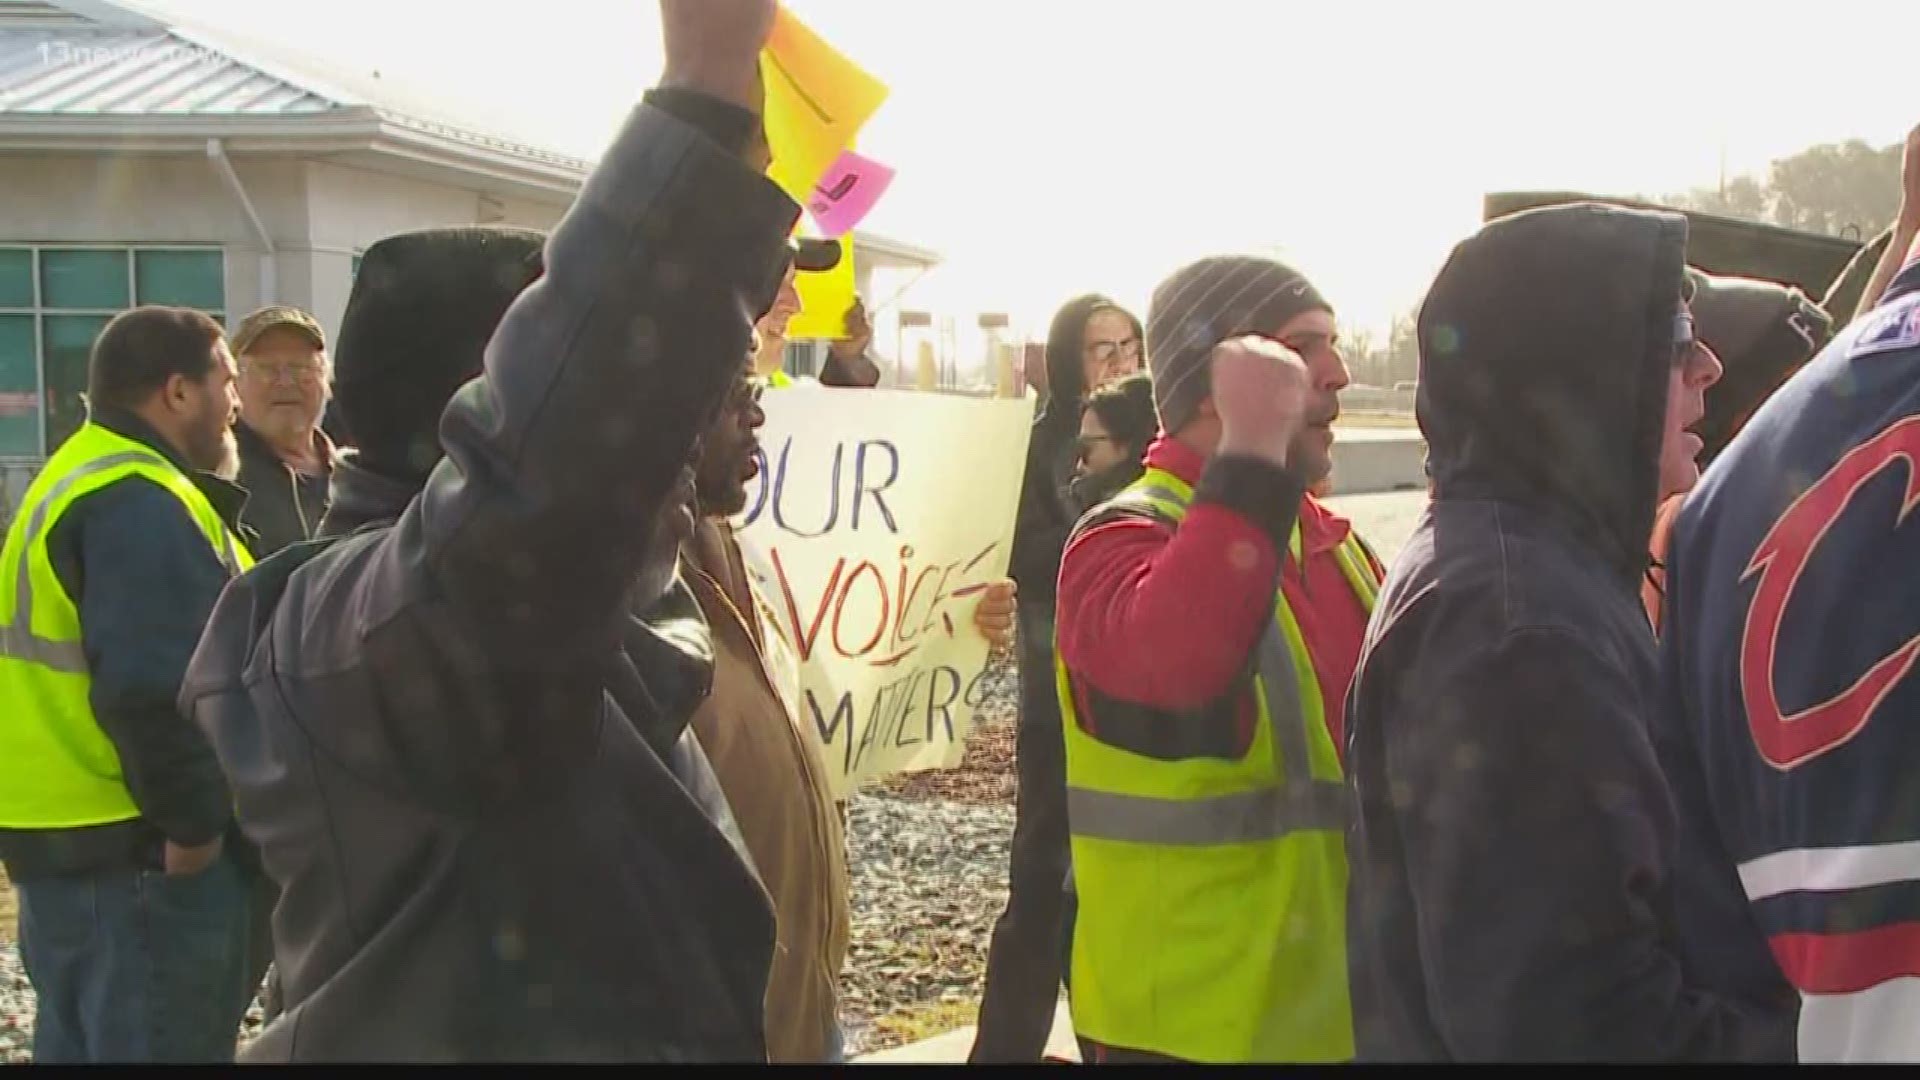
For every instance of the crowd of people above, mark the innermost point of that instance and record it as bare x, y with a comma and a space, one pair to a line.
466, 733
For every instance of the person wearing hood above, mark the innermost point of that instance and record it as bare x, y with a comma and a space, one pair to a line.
1514, 845
1762, 333
463, 757
1209, 619
1092, 342
1787, 692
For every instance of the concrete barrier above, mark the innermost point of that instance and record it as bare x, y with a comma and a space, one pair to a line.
1367, 460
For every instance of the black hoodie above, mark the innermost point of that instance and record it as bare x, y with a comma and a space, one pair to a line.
1047, 509
1511, 857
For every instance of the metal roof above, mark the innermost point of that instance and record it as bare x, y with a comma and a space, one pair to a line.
140, 73
98, 64
80, 59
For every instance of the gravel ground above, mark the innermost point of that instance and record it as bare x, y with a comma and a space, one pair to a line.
16, 1009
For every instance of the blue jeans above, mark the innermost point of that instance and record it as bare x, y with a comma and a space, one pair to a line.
135, 966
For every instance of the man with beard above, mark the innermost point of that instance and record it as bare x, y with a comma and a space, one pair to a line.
1209, 619
461, 755
1514, 851
770, 768
133, 921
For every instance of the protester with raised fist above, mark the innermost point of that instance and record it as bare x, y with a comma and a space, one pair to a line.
463, 758
1513, 852
1209, 618
848, 361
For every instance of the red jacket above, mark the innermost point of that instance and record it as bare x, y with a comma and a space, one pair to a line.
1165, 620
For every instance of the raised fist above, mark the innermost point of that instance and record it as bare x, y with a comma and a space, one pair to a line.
713, 46
1260, 390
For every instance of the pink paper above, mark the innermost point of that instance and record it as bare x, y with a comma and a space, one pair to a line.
846, 193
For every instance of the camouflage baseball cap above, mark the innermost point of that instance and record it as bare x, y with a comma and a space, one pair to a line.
276, 317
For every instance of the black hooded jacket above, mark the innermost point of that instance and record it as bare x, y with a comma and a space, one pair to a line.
1512, 853
1048, 505
1047, 511
458, 751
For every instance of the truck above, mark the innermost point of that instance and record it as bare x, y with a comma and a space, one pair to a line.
1831, 270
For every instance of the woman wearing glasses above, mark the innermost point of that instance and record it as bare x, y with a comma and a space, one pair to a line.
1093, 342
1115, 430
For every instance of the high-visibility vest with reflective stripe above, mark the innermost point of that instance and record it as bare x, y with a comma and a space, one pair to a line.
1212, 892
57, 768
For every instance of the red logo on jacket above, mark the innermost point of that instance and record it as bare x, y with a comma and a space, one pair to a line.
1789, 740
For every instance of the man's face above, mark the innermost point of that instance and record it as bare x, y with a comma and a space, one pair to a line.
727, 452
1110, 350
1694, 368
207, 409
1316, 337
283, 382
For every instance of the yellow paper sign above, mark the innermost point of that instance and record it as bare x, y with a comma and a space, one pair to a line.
825, 297
816, 102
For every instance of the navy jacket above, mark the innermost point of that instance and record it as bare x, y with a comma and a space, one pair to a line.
1792, 625
451, 739
1514, 850
145, 579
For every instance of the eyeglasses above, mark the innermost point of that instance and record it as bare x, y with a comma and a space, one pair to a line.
1685, 336
303, 374
1106, 352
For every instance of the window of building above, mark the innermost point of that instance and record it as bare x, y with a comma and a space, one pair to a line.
54, 300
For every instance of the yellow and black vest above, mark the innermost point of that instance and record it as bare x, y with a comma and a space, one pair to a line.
1212, 891
57, 768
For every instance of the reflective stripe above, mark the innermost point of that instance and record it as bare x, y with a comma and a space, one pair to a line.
229, 555
1359, 571
1250, 816
18, 640
1286, 711
1159, 494
63, 656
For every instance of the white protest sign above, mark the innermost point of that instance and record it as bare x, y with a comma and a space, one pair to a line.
877, 519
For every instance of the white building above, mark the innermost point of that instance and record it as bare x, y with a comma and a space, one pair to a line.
148, 162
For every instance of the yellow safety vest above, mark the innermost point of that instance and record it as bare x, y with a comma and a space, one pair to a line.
58, 770
779, 380
1212, 918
